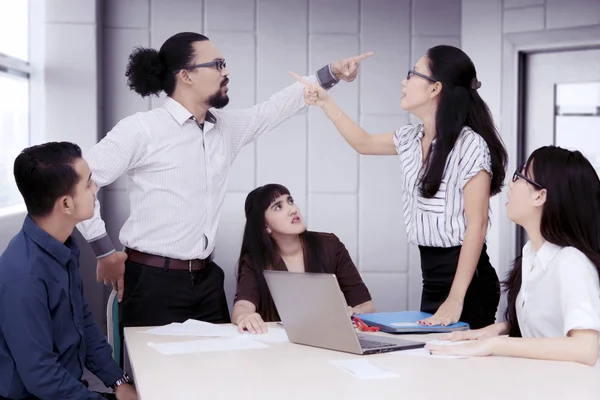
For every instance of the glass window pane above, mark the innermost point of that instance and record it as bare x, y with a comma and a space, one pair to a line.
578, 98
14, 28
577, 123
580, 133
14, 133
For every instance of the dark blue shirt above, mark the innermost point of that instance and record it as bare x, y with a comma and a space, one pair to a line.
47, 333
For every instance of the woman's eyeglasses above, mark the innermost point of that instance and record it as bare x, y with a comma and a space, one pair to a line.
518, 175
412, 72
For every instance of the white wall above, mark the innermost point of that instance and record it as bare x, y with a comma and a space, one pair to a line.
358, 198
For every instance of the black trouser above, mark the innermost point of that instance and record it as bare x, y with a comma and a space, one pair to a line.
105, 395
439, 265
159, 296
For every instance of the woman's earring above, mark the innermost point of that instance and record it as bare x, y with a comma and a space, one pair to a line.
268, 230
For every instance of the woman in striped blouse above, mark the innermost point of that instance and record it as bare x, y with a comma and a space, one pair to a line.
452, 164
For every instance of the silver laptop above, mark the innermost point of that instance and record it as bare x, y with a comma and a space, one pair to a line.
313, 311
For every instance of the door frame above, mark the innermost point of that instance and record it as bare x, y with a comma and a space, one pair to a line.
515, 48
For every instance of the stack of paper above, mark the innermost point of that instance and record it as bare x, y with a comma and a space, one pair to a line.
193, 327
207, 345
205, 329
273, 335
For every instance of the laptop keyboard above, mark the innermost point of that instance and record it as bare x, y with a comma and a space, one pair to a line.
373, 344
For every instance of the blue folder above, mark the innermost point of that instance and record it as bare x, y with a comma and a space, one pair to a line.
406, 322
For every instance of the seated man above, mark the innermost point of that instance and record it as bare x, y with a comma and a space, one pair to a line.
47, 333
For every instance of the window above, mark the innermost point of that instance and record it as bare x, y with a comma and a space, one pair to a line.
14, 102
577, 123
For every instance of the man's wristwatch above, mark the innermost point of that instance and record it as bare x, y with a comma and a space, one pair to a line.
123, 380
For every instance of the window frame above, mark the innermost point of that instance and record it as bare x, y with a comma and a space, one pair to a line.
33, 71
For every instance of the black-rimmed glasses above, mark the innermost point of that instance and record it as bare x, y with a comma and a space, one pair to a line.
518, 175
413, 72
218, 64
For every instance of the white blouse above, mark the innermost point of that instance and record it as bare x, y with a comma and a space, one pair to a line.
439, 221
560, 292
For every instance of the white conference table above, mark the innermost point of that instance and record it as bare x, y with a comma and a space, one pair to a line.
290, 371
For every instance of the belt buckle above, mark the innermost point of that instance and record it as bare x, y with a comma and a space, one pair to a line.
190, 266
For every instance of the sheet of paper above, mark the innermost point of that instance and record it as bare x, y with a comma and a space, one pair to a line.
194, 328
204, 329
363, 369
406, 324
212, 329
423, 352
273, 335
207, 345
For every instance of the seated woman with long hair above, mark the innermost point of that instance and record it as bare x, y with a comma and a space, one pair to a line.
276, 238
553, 289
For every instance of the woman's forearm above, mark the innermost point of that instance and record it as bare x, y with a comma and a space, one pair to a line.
350, 130
357, 137
498, 329
241, 309
470, 254
364, 308
582, 348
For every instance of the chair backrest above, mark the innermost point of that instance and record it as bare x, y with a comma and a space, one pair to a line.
112, 325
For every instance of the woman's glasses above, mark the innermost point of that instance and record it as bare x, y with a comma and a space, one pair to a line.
412, 72
518, 175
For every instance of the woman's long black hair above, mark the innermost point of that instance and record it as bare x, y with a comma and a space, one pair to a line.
570, 215
262, 250
459, 105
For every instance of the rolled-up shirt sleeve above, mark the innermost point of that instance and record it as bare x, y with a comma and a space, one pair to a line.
474, 157
248, 124
579, 290
404, 136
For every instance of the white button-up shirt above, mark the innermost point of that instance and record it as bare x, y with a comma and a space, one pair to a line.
560, 292
177, 171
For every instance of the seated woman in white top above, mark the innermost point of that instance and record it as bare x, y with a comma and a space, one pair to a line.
554, 287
